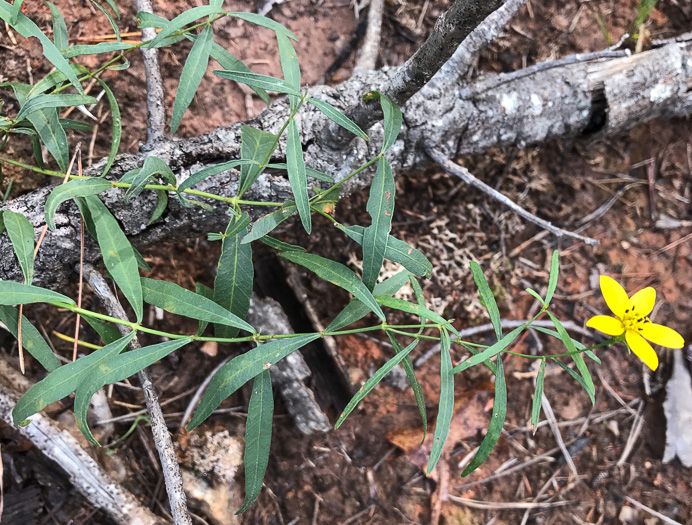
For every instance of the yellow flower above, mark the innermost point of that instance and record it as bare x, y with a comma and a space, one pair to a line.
632, 321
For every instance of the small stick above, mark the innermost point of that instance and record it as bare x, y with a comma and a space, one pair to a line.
550, 416
634, 434
651, 511
371, 44
198, 394
502, 505
465, 175
162, 439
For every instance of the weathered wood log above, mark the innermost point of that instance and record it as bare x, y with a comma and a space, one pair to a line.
589, 100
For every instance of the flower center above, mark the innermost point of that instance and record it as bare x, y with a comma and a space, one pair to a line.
633, 321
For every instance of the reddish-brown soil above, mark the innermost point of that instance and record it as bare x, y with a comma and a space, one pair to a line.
355, 475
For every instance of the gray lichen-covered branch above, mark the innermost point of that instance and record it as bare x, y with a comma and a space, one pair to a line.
578, 100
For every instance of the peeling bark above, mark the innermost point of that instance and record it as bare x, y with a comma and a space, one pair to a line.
578, 100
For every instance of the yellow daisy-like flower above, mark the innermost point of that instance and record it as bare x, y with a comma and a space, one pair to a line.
632, 321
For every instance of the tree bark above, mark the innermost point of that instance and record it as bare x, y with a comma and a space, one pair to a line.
580, 100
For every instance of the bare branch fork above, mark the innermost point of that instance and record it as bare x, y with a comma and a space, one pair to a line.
162, 439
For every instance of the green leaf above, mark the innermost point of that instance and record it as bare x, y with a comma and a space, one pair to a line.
42, 102
257, 146
177, 300
264, 22
266, 224
407, 365
297, 175
208, 293
180, 21
51, 80
488, 298
241, 369
397, 251
446, 406
497, 421
152, 166
112, 23
337, 116
210, 171
116, 126
21, 234
113, 368
161, 204
258, 437
193, 71
75, 125
337, 274
579, 346
280, 245
60, 35
572, 373
491, 351
374, 380
356, 310
578, 359
32, 341
230, 63
258, 81
141, 263
538, 396
535, 295
70, 190
234, 275
95, 49
554, 272
118, 254
12, 293
315, 174
63, 381
415, 309
16, 10
290, 67
27, 28
108, 333
392, 118
381, 208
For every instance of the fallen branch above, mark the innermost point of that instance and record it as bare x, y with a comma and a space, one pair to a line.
95, 484
370, 50
162, 439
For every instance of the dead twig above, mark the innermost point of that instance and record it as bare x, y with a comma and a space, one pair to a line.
504, 505
552, 421
634, 434
465, 175
162, 439
367, 59
651, 511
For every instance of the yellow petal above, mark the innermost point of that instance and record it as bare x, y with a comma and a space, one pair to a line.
606, 324
643, 301
642, 349
615, 295
662, 335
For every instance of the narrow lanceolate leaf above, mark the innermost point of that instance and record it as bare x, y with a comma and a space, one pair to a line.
488, 298
497, 421
210, 171
255, 145
230, 63
152, 166
337, 274
571, 372
32, 341
446, 406
118, 254
109, 17
554, 272
42, 102
266, 224
12, 293
204, 291
315, 174
234, 275
60, 35
356, 310
258, 437
392, 122
70, 190
538, 396
95, 49
289, 66
64, 380
161, 204
180, 21
27, 28
16, 10
380, 207
337, 116
108, 333
113, 368
297, 176
264, 22
373, 382
397, 251
116, 126
577, 344
241, 369
258, 81
21, 234
193, 71
578, 359
177, 300
491, 351
415, 309
407, 364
